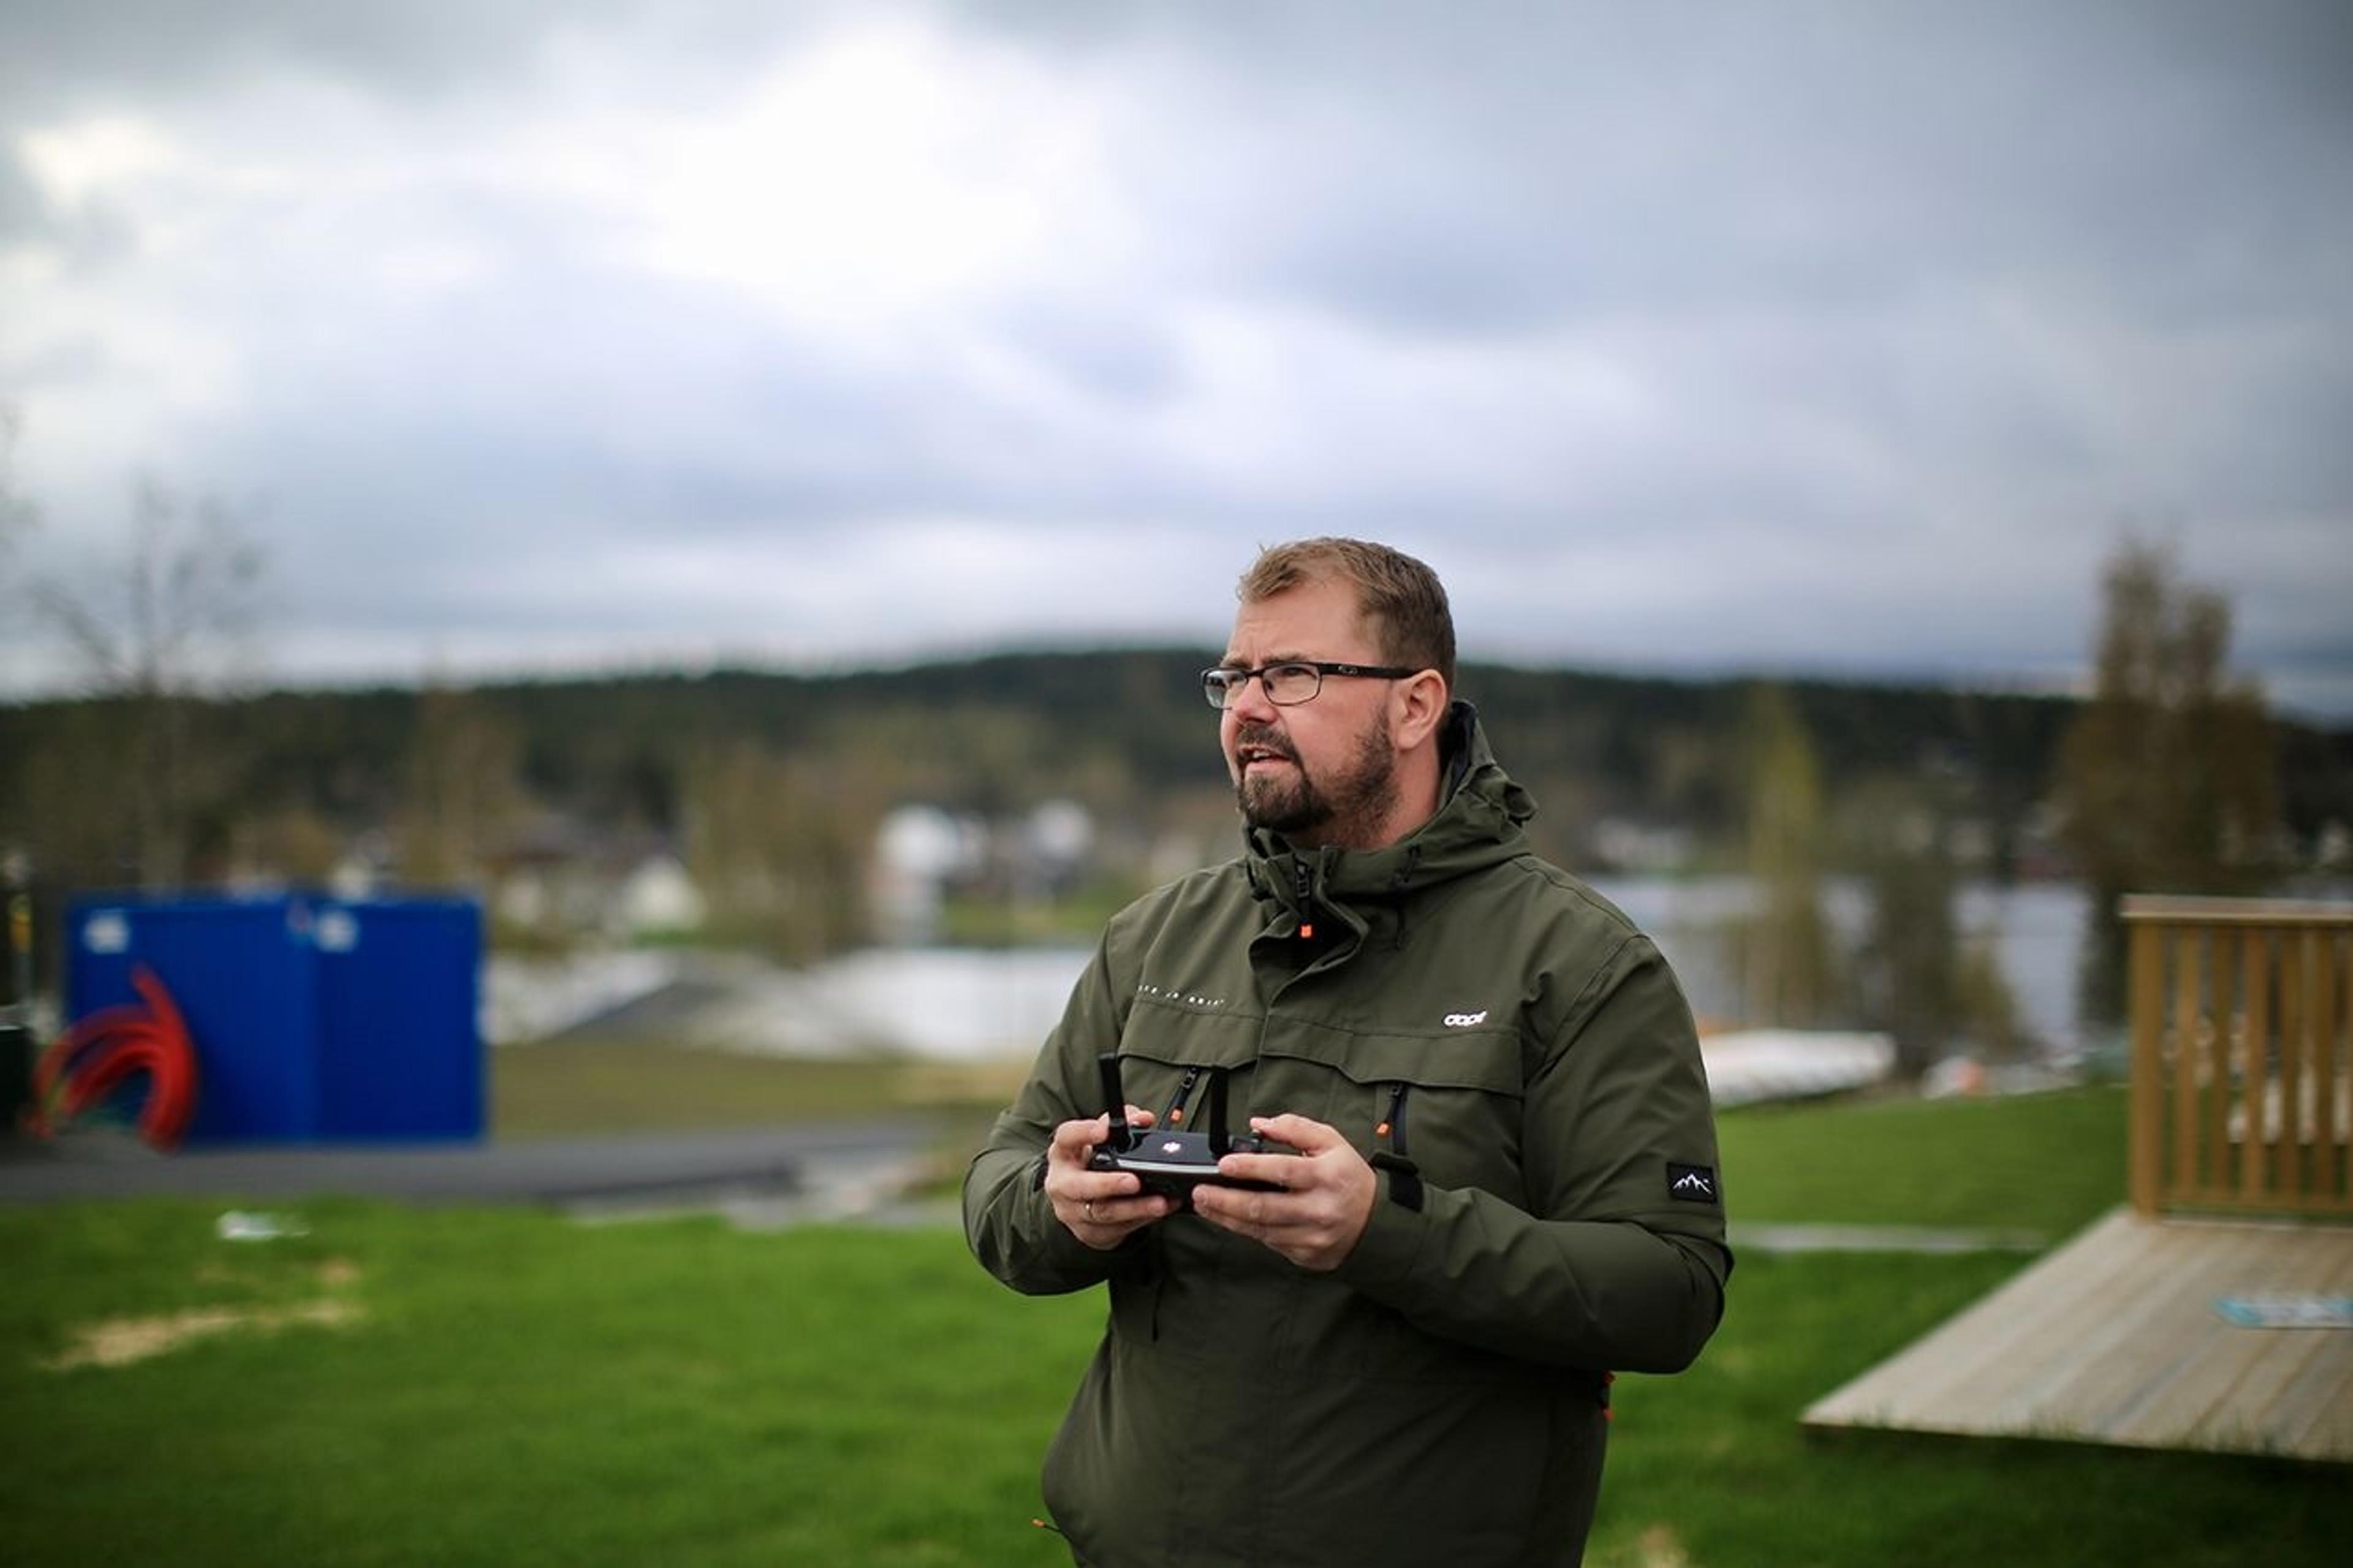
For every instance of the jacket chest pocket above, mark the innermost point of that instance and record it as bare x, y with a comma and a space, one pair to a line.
1167, 1051
1449, 1103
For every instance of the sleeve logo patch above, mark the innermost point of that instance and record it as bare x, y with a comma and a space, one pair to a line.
1691, 1184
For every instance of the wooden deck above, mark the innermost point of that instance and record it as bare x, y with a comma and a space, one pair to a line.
2117, 1338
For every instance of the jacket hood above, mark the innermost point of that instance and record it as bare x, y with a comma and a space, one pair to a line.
1478, 822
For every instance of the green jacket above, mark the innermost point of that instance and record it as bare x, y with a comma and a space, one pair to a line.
1548, 1208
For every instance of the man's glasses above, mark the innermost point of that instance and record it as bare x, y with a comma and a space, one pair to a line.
1288, 684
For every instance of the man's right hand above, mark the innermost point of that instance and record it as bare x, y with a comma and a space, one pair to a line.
1101, 1209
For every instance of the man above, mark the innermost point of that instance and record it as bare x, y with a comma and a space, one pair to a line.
1504, 1184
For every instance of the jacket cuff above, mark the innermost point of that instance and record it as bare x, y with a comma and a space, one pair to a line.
1386, 1254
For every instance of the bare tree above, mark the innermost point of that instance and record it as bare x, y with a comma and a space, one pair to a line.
18, 514
14, 509
170, 615
155, 630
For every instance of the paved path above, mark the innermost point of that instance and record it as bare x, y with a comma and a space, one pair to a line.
758, 1178
678, 1170
1881, 1238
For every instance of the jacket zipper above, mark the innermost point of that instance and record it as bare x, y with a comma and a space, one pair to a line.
1175, 1113
1405, 1176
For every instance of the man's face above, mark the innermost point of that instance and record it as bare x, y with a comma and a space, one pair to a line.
1320, 772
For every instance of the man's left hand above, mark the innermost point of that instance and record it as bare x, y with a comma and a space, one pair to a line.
1327, 1194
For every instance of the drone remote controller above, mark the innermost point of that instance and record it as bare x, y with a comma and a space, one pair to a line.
1169, 1162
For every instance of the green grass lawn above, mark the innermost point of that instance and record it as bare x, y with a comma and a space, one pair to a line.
454, 1386
2046, 1163
1712, 1467
591, 1088
510, 1387
595, 1086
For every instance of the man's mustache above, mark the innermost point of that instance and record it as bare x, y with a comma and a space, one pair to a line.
1264, 737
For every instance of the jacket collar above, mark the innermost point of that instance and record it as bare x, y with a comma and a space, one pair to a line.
1478, 822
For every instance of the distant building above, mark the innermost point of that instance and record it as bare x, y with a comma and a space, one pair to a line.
922, 853
918, 851
1622, 844
657, 897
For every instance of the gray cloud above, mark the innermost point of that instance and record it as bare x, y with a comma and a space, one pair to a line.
1831, 336
24, 211
145, 50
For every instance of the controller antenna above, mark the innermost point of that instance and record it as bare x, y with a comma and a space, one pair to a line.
1114, 1101
1218, 1143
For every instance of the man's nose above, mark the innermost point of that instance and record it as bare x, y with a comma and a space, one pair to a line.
1250, 702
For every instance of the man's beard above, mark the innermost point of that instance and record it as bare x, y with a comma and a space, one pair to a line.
1347, 809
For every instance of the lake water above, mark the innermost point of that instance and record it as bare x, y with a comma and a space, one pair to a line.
2034, 931
966, 1004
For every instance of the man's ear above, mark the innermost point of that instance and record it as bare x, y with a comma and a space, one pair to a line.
1418, 707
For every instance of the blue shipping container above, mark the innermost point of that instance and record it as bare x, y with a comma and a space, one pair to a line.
312, 1018
400, 998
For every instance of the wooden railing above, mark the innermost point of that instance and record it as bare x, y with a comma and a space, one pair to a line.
2241, 1054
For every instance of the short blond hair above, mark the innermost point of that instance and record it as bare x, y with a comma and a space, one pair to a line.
1400, 598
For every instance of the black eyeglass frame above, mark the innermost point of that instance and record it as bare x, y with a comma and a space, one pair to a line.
1222, 682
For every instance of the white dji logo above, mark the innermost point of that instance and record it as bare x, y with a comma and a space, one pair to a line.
1466, 1020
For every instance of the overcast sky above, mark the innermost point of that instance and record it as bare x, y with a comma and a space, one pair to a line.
1843, 338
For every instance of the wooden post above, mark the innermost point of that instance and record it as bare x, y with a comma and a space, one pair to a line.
2340, 1121
2255, 949
2287, 1164
2222, 1013
2322, 1038
2147, 1151
2188, 1014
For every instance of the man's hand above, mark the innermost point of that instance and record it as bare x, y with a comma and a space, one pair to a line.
1326, 1201
1101, 1209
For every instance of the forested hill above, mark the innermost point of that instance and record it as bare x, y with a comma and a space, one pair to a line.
1125, 731
1015, 726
